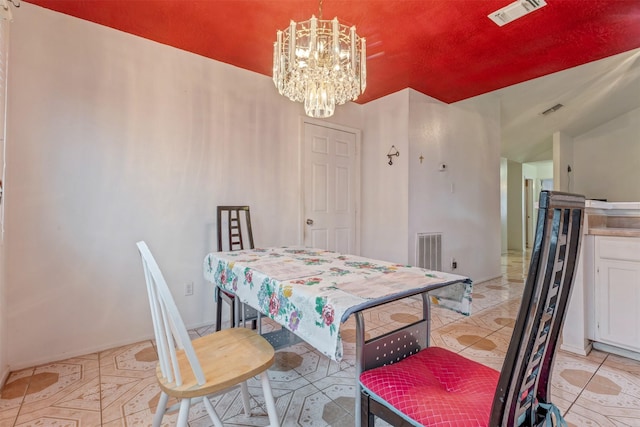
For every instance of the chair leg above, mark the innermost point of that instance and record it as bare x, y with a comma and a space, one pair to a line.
232, 313
212, 412
218, 309
269, 401
183, 415
367, 419
244, 390
161, 409
254, 322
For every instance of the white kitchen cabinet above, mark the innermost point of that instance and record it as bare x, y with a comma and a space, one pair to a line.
617, 291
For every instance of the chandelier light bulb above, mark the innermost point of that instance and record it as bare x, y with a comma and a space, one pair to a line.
320, 63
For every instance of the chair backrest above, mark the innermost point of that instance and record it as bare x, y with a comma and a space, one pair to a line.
170, 332
238, 231
524, 381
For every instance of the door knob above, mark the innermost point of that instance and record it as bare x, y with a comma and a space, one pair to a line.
309, 221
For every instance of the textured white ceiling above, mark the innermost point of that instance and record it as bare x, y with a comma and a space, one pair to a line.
592, 94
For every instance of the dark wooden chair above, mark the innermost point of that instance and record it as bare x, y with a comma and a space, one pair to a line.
239, 235
436, 387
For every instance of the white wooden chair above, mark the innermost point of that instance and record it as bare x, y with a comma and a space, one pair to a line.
207, 365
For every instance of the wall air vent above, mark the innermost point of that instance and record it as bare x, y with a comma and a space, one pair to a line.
429, 251
552, 109
515, 10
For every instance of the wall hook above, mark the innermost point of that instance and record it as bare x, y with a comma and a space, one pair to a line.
5, 4
392, 152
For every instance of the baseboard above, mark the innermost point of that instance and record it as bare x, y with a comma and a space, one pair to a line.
582, 351
78, 353
617, 350
89, 350
4, 376
482, 279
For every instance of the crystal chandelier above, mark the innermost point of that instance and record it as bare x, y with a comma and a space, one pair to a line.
320, 63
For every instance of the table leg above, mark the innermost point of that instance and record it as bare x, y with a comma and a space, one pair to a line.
426, 314
236, 312
359, 363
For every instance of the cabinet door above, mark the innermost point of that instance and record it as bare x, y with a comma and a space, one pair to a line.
618, 303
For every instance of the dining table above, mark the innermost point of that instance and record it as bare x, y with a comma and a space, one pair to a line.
311, 292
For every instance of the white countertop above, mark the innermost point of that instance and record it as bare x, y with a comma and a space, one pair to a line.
612, 205
615, 232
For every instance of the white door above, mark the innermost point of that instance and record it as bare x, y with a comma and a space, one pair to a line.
331, 188
528, 212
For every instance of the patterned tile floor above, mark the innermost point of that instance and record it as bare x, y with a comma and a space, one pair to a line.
117, 387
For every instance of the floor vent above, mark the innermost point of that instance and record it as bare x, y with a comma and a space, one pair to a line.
429, 251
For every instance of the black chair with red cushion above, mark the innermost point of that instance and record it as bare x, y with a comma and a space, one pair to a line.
437, 387
239, 235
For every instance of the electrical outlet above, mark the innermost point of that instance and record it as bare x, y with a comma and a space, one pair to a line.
454, 264
188, 289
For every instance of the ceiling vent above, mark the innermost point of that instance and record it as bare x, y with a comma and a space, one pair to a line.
552, 109
515, 10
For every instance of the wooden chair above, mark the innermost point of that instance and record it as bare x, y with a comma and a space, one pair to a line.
438, 387
207, 365
237, 219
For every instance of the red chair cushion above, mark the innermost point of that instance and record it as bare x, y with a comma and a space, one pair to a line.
436, 387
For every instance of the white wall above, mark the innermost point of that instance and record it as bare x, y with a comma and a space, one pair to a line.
537, 172
4, 353
385, 187
562, 162
409, 197
113, 139
5, 28
606, 160
504, 245
463, 201
515, 206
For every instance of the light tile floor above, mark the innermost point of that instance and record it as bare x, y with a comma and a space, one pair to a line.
117, 387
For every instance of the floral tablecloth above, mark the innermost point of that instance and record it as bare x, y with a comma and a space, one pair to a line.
312, 291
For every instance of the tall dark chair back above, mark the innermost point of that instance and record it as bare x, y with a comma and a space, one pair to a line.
436, 386
524, 387
237, 235
238, 232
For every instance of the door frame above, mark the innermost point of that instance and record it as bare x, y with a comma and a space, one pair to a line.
357, 179
529, 214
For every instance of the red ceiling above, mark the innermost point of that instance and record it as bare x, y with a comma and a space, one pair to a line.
447, 49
